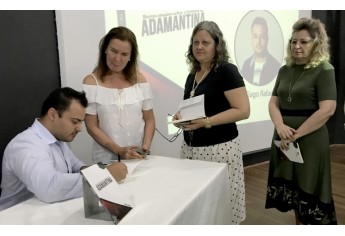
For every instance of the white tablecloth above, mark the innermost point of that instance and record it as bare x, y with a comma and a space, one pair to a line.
164, 191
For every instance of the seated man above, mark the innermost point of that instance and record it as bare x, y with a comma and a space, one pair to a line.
38, 161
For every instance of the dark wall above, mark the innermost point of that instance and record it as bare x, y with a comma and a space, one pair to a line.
29, 68
335, 24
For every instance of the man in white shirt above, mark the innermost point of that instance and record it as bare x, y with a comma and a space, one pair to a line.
38, 161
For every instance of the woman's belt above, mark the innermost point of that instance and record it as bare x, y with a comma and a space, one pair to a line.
304, 112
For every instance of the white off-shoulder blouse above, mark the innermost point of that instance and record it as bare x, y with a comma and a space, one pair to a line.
120, 115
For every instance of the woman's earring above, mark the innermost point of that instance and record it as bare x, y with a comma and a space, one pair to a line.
129, 59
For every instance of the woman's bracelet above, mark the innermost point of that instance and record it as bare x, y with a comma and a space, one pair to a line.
207, 123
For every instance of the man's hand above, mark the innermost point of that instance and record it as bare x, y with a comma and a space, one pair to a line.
118, 170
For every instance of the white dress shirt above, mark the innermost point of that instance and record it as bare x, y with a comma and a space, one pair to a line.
36, 164
257, 72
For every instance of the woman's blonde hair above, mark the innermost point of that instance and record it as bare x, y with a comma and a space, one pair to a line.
320, 39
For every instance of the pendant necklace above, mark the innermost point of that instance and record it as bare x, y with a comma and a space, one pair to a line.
192, 93
289, 98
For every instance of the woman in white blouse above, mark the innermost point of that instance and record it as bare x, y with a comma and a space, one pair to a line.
119, 116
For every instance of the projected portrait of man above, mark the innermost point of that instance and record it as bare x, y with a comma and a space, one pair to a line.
260, 68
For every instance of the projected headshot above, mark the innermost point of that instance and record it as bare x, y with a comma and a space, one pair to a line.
260, 66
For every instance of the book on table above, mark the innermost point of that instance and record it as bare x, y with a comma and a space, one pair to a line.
103, 198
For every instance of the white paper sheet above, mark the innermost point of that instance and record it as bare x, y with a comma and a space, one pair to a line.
293, 153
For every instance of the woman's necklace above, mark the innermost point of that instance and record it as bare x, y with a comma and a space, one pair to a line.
289, 98
192, 93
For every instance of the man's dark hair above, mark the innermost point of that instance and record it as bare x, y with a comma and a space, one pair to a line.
60, 99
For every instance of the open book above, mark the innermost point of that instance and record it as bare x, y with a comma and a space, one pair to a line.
191, 109
102, 193
293, 153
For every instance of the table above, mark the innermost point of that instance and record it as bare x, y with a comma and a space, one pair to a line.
164, 191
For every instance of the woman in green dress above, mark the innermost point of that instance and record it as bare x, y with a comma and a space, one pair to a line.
303, 99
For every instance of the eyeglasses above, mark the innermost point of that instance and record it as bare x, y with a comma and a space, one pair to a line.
302, 42
173, 137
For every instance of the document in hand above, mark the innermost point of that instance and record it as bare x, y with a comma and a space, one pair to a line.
293, 153
191, 109
101, 187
